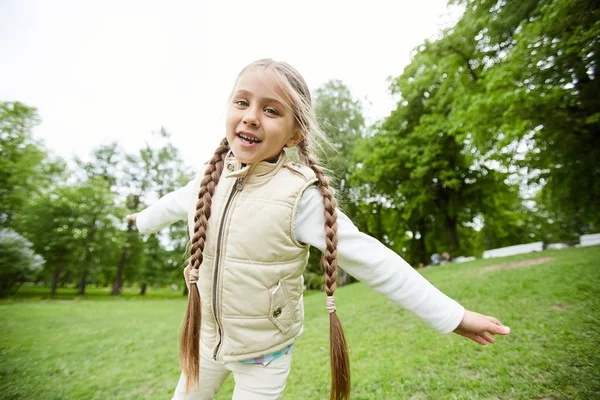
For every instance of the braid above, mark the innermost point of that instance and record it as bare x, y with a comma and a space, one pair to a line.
212, 174
330, 203
189, 354
340, 362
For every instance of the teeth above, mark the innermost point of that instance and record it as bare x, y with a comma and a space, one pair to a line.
251, 139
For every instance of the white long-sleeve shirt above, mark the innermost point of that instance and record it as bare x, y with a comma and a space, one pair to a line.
361, 255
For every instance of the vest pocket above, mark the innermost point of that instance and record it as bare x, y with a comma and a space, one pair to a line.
280, 312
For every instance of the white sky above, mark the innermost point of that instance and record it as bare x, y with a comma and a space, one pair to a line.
99, 71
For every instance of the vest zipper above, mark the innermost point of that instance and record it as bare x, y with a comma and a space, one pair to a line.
238, 186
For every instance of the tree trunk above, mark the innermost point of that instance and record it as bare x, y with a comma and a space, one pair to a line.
422, 250
488, 241
54, 281
421, 245
83, 282
143, 290
450, 225
88, 256
118, 283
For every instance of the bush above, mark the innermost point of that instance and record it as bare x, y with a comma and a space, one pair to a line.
313, 281
18, 262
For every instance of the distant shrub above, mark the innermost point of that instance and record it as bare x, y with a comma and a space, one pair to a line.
18, 262
313, 281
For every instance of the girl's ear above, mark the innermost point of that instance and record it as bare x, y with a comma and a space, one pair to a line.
296, 138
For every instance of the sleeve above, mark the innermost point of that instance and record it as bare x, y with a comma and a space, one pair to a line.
170, 208
371, 262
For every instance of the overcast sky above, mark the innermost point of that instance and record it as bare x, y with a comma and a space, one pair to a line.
99, 71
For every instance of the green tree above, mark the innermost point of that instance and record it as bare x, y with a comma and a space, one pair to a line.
156, 171
21, 170
59, 224
341, 120
426, 161
537, 63
100, 172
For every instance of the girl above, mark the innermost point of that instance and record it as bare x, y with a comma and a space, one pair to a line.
253, 215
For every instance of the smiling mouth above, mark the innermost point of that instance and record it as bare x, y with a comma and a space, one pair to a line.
248, 138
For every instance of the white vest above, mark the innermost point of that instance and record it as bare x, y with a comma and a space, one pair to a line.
251, 280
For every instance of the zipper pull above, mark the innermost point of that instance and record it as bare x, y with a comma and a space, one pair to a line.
239, 184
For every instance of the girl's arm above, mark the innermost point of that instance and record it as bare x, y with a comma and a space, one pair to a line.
377, 266
169, 209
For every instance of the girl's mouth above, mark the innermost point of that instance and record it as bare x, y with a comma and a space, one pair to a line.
248, 138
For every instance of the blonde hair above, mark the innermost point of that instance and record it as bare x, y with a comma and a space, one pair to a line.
299, 98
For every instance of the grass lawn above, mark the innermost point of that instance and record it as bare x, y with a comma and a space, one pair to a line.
103, 347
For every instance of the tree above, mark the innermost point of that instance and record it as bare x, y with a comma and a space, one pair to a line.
102, 172
505, 95
21, 172
426, 158
537, 63
341, 120
156, 171
57, 224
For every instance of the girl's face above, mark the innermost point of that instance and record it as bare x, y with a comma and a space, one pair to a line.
259, 124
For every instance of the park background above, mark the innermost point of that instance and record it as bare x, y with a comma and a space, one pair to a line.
492, 140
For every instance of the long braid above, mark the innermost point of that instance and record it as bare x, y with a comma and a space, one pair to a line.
340, 361
189, 354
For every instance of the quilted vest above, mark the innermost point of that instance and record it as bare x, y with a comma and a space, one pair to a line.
250, 279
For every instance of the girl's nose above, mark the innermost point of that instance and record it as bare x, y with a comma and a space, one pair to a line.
250, 118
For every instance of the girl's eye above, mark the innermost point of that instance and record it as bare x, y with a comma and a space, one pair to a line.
271, 111
242, 103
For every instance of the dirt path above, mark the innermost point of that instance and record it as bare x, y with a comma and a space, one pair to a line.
517, 264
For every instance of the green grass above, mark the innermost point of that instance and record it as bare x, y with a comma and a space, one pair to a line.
103, 347
31, 292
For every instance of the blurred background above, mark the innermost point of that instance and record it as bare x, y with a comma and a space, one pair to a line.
456, 128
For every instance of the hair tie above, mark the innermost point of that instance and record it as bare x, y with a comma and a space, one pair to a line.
331, 304
194, 275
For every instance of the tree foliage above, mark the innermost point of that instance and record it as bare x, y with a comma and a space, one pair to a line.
538, 65
342, 123
501, 106
73, 218
22, 170
494, 141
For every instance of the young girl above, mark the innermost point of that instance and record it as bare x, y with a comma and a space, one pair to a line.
253, 215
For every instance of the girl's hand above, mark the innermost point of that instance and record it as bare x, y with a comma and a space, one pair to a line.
479, 327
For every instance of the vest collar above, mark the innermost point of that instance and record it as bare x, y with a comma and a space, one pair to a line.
235, 169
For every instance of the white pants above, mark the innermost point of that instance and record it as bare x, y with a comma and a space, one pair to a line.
252, 381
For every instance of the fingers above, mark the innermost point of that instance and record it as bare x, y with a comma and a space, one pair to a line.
498, 329
487, 338
477, 339
481, 338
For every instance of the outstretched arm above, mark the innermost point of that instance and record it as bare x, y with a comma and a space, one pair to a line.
386, 272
